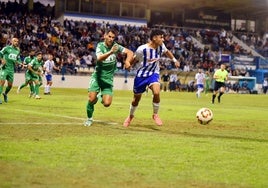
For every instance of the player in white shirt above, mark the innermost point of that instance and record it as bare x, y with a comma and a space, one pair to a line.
48, 67
200, 78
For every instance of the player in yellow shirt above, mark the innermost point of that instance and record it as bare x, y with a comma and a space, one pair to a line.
220, 76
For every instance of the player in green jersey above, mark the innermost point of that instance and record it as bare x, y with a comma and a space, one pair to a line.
207, 82
220, 76
9, 56
101, 80
26, 61
34, 73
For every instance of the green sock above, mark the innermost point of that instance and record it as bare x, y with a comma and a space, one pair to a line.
8, 88
37, 89
32, 88
90, 109
23, 85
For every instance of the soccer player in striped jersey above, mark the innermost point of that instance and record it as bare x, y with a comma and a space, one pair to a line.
147, 57
200, 80
48, 67
101, 81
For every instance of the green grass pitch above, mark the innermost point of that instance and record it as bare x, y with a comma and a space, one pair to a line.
43, 143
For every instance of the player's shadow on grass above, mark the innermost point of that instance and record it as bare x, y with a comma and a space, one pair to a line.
152, 127
143, 128
135, 126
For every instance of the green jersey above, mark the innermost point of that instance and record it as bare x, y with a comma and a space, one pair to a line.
102, 78
36, 66
11, 55
28, 59
105, 69
207, 79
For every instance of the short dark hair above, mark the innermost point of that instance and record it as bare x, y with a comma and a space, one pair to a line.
156, 32
32, 51
114, 31
38, 53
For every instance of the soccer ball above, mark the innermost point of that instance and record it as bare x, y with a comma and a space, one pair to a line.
204, 116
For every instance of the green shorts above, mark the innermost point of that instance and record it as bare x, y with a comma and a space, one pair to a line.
33, 77
27, 77
105, 86
6, 75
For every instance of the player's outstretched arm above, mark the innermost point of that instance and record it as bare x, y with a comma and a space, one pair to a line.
129, 59
171, 56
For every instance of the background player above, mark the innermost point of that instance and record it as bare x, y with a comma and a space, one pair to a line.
200, 80
48, 67
35, 72
26, 61
220, 76
9, 56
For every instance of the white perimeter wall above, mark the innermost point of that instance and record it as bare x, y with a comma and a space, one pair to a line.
77, 81
82, 82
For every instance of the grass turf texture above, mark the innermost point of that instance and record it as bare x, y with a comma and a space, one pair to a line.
43, 143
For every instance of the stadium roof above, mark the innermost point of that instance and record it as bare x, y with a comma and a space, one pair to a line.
244, 9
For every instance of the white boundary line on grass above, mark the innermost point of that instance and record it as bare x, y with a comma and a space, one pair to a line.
38, 123
50, 114
55, 115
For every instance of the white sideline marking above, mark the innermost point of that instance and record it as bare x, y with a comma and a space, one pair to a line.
49, 114
39, 123
55, 115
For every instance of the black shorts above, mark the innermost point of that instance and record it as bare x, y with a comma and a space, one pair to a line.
218, 85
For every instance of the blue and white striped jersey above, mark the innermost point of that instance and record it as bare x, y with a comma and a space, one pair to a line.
148, 59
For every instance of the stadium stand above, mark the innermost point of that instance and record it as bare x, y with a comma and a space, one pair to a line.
72, 40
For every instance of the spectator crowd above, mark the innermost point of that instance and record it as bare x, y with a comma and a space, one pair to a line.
73, 43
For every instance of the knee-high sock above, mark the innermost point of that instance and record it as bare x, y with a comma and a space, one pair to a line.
90, 109
23, 85
32, 88
221, 93
46, 89
132, 109
37, 89
8, 88
213, 97
199, 92
155, 107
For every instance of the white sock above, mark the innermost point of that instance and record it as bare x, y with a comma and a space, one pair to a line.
199, 92
45, 89
132, 109
155, 107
